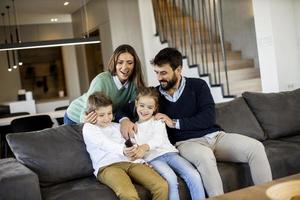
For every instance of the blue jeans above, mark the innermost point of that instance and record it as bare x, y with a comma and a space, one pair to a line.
166, 165
67, 120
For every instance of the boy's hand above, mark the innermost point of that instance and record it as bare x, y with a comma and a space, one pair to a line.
128, 128
90, 117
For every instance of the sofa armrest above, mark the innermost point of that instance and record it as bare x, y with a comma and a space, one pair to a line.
17, 181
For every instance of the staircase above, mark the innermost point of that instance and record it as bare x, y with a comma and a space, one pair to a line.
195, 28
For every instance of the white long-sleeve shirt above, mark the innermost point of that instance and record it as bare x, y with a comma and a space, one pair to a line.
105, 145
154, 133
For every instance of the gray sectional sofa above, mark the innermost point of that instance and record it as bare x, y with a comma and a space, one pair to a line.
53, 164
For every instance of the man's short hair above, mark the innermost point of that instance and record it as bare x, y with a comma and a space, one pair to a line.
168, 56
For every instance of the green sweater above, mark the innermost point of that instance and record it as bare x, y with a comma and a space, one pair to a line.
102, 82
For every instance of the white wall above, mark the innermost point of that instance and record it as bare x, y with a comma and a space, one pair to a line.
125, 25
118, 22
151, 45
277, 33
239, 27
71, 72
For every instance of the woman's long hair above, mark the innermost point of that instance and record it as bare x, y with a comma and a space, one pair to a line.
137, 74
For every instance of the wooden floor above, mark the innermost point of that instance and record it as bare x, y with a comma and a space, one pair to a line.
257, 192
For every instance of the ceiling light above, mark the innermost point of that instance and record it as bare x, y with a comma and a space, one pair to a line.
49, 43
66, 3
54, 19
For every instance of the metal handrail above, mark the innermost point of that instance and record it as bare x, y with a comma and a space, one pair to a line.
196, 28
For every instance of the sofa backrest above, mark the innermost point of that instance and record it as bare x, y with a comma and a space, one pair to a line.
236, 117
56, 155
277, 113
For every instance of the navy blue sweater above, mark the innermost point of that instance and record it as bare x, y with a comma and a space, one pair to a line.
195, 110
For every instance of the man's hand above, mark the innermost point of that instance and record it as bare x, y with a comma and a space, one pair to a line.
128, 128
90, 117
167, 120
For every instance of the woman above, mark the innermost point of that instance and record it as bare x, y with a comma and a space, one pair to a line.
119, 83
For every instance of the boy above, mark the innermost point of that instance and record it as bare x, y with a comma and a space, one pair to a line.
110, 158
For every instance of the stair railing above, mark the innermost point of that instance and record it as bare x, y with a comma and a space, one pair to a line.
195, 27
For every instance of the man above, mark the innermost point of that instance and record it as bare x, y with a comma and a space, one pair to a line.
187, 108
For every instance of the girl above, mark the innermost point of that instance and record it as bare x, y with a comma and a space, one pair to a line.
119, 83
108, 153
155, 147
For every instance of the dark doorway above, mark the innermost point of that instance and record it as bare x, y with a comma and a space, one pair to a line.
94, 58
42, 72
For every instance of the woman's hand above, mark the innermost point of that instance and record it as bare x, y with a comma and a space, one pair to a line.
91, 117
128, 128
167, 120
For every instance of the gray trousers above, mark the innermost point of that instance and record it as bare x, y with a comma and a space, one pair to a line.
205, 151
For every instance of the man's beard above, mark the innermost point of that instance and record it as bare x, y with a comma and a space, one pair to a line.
171, 83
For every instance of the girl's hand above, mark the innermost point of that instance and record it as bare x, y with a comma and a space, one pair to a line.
90, 117
129, 151
141, 150
167, 120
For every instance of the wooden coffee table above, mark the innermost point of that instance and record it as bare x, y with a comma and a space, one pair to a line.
257, 192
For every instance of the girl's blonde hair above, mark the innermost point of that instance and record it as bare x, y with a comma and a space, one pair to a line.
137, 75
150, 92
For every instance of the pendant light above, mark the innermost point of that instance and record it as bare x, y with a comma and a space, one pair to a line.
11, 38
6, 42
18, 37
13, 46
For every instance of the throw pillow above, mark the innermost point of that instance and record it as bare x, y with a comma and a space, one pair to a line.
277, 113
236, 117
56, 155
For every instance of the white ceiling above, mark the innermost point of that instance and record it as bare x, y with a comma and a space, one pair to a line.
41, 11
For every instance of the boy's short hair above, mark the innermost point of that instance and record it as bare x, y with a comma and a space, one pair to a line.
168, 56
96, 100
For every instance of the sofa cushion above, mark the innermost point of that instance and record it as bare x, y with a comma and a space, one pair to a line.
56, 155
85, 188
13, 177
277, 113
234, 175
235, 117
292, 139
90, 188
283, 157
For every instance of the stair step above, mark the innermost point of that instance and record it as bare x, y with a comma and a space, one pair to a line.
237, 75
180, 37
231, 65
251, 85
241, 74
231, 55
227, 46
